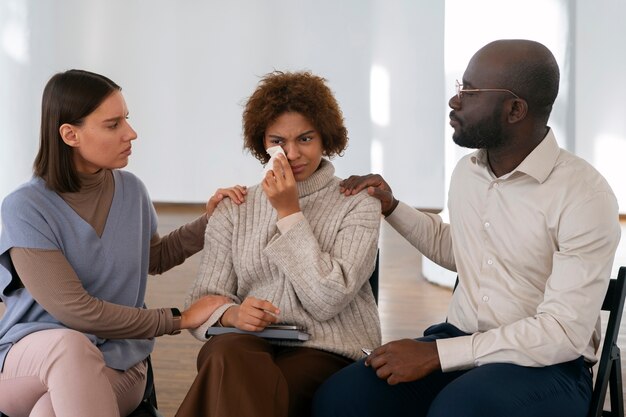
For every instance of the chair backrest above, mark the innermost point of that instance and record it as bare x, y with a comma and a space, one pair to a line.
374, 278
610, 365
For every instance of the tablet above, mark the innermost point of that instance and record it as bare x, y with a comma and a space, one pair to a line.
274, 331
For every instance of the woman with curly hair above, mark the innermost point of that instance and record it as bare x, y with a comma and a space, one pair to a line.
297, 251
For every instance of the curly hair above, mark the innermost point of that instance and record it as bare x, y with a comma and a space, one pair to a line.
301, 92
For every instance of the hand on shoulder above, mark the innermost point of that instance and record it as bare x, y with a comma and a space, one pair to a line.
236, 193
376, 187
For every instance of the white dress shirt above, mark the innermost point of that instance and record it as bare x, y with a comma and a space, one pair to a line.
533, 250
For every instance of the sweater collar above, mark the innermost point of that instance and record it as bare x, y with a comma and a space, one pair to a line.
90, 182
318, 180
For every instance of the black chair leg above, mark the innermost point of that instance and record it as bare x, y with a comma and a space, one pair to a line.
615, 386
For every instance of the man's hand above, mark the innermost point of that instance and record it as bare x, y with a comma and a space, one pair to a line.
404, 360
376, 187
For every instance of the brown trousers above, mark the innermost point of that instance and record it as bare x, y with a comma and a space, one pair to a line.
245, 376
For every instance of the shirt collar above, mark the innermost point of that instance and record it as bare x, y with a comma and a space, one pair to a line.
538, 164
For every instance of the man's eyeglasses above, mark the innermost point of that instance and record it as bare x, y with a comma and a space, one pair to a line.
460, 90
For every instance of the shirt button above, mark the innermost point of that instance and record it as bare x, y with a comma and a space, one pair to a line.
487, 224
496, 184
485, 298
489, 262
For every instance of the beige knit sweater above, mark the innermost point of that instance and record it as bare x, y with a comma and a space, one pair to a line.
316, 273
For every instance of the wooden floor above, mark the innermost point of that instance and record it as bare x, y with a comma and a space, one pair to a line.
407, 304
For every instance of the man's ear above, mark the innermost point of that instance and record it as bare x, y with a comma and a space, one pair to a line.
517, 111
69, 135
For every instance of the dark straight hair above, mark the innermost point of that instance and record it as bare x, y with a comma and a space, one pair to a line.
68, 97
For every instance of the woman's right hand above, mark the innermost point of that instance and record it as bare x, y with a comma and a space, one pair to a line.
280, 187
201, 310
251, 315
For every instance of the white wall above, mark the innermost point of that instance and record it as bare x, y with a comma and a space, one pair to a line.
600, 69
408, 45
186, 67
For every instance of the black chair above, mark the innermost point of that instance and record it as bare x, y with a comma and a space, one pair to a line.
148, 406
374, 278
610, 366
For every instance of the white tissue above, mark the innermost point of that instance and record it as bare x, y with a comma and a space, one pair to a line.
272, 152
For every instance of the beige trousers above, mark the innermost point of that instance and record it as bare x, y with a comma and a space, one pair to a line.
61, 373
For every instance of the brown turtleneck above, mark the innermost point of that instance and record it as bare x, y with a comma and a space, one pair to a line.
55, 286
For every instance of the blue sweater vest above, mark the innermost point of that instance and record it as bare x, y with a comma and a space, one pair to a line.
113, 267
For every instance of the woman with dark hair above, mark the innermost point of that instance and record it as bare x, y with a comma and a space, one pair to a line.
77, 244
296, 251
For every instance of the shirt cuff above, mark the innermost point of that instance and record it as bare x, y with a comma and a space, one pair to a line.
455, 353
286, 223
176, 321
166, 316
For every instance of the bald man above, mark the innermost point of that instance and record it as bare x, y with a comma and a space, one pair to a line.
532, 236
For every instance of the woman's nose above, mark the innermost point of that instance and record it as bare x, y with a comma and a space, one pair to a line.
292, 151
131, 134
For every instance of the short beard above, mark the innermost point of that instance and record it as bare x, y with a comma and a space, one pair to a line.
486, 134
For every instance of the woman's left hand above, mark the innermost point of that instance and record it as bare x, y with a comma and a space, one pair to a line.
237, 194
280, 188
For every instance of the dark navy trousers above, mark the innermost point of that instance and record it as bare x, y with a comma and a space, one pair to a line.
494, 390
